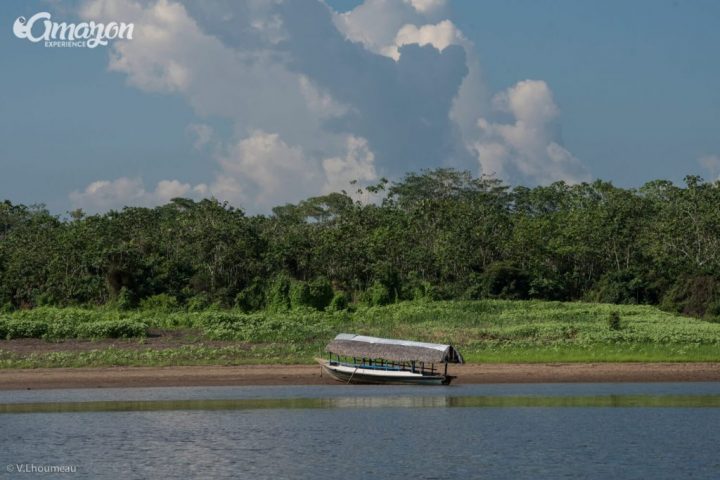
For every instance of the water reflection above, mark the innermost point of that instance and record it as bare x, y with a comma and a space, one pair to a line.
493, 401
502, 431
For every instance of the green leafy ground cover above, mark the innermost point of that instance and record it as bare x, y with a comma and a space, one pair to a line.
484, 331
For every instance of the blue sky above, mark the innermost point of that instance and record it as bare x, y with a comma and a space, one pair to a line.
260, 104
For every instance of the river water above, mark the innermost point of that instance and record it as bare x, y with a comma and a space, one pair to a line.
621, 431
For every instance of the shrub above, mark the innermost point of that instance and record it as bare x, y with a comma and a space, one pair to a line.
712, 313
20, 328
251, 298
160, 303
475, 290
45, 299
377, 295
300, 295
198, 303
321, 293
425, 291
621, 287
316, 294
544, 286
504, 280
61, 330
111, 329
692, 295
614, 322
54, 323
340, 301
278, 297
126, 299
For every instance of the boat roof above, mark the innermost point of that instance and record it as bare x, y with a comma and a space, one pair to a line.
351, 345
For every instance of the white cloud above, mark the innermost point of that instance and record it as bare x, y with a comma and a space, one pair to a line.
249, 84
383, 26
319, 101
712, 164
374, 23
357, 165
263, 170
168, 189
166, 40
492, 157
427, 6
104, 195
530, 101
526, 150
440, 36
528, 147
201, 133
306, 106
271, 27
256, 173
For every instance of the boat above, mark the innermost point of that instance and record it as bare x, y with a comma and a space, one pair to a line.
371, 360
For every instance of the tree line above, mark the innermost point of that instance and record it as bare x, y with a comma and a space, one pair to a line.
439, 234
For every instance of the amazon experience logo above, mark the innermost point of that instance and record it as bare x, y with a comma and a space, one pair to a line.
40, 28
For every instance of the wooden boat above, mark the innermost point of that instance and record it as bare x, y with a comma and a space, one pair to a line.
360, 359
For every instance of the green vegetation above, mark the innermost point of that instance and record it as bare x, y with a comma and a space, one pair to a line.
437, 235
56, 324
440, 256
484, 331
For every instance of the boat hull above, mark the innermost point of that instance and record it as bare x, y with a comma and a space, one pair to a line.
379, 377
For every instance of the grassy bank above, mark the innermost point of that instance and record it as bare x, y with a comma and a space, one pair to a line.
484, 331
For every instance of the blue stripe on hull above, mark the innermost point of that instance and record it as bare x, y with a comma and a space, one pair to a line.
359, 378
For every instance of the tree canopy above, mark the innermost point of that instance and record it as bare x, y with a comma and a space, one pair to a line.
435, 234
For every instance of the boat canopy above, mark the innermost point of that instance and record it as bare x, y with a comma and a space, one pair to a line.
350, 345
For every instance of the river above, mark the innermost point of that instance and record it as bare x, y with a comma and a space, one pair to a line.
621, 431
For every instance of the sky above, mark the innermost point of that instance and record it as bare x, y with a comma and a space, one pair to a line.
264, 102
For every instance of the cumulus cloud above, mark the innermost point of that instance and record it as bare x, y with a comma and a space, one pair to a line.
711, 163
528, 147
358, 165
440, 36
262, 171
245, 82
202, 134
257, 172
401, 108
316, 98
426, 6
319, 101
105, 195
374, 23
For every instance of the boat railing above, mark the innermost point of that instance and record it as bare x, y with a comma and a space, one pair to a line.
367, 366
392, 367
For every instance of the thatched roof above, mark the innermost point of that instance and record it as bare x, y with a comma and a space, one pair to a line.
350, 345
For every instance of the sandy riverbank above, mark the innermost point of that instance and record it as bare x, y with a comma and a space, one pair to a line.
42, 378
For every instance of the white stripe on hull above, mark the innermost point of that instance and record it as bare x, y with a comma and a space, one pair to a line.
349, 374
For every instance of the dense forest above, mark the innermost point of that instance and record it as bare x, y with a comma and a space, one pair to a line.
440, 234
